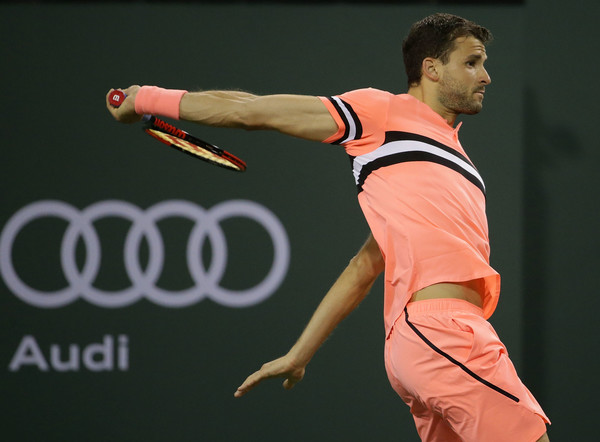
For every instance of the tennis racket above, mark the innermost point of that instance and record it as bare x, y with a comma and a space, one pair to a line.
181, 140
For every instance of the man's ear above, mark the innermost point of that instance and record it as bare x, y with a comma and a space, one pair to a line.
429, 68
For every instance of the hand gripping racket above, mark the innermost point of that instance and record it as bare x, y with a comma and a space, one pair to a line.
179, 139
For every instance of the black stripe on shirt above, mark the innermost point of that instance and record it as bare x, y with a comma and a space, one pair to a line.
418, 155
405, 157
355, 121
408, 136
344, 119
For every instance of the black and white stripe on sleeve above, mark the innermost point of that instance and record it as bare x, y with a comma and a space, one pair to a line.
353, 128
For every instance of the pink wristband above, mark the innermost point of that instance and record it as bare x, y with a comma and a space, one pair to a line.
158, 101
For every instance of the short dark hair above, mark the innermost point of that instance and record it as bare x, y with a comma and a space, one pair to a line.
434, 37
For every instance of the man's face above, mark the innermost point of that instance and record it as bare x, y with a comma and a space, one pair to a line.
463, 79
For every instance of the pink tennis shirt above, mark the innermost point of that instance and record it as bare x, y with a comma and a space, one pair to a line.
421, 195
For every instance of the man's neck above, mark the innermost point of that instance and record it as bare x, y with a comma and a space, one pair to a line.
429, 98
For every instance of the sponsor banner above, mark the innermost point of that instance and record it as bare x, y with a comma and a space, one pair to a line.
144, 227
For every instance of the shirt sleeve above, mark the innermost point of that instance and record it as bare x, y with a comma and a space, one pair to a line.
361, 116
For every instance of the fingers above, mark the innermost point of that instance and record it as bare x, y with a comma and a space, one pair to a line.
125, 113
265, 372
278, 368
251, 381
289, 383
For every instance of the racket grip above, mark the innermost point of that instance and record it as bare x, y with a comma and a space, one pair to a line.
116, 99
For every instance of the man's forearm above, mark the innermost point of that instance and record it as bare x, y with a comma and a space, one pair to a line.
343, 297
296, 115
215, 108
346, 293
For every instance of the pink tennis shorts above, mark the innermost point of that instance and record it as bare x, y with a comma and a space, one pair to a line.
449, 366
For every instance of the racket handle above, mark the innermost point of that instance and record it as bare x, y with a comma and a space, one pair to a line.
116, 99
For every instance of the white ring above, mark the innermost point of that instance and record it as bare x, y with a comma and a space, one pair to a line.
144, 281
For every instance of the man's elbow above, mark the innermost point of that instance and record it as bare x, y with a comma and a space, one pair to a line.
368, 266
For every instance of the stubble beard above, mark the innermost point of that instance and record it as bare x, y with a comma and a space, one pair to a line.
458, 98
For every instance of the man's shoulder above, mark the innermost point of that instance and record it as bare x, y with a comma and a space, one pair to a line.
370, 98
369, 92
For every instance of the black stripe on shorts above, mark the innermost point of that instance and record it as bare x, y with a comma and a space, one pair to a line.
458, 364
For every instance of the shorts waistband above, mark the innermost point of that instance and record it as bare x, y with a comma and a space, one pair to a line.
443, 304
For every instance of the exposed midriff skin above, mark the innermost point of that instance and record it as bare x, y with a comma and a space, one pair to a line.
467, 291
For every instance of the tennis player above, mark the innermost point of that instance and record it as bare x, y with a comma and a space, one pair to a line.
425, 204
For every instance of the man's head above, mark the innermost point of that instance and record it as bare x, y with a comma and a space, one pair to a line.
435, 37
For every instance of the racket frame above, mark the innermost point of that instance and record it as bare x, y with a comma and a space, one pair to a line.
155, 124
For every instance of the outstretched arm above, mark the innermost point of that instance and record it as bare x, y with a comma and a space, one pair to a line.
344, 296
300, 116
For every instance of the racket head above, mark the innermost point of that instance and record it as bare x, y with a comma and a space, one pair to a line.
186, 143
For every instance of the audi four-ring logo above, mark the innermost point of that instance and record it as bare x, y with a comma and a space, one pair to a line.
144, 281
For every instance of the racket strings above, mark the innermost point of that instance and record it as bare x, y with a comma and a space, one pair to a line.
227, 160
